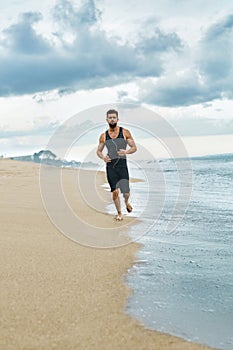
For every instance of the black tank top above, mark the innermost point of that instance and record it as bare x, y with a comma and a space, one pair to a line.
113, 146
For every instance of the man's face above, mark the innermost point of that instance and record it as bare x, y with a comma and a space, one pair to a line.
112, 120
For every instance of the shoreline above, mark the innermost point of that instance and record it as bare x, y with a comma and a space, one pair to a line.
55, 293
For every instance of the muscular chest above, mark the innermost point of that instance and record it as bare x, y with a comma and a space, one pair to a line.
114, 134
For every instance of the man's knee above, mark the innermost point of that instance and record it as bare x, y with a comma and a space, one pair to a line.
115, 194
126, 195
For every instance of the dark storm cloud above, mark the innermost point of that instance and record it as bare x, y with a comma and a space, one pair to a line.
210, 75
21, 38
182, 91
31, 63
219, 29
216, 52
160, 42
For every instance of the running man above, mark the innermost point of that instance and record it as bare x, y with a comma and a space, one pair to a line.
116, 139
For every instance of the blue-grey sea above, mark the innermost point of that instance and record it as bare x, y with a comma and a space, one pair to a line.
182, 281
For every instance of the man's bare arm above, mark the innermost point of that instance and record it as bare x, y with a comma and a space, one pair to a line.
130, 141
100, 149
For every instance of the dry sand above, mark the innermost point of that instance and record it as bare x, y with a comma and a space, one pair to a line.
55, 293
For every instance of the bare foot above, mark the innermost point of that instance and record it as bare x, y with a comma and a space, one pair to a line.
129, 208
119, 217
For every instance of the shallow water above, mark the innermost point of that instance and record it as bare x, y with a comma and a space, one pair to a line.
183, 281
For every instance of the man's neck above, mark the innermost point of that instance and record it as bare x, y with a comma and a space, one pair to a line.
116, 128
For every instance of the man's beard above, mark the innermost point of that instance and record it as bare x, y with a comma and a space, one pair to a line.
112, 126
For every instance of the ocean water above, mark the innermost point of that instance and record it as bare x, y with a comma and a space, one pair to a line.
182, 282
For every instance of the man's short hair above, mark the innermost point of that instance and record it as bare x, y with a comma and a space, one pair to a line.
112, 111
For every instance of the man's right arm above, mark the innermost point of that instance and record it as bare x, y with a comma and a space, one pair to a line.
100, 149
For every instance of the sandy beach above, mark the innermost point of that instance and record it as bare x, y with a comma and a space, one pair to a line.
56, 293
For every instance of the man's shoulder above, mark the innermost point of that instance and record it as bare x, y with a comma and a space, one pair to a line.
102, 137
126, 133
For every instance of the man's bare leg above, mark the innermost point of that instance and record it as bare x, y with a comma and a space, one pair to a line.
117, 202
128, 206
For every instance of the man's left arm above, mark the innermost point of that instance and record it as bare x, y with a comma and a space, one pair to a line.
130, 141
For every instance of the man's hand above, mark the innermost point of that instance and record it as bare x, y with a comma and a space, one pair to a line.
121, 152
107, 159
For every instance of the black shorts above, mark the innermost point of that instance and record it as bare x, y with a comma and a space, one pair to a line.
118, 177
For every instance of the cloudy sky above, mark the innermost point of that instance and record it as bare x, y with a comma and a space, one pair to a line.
60, 57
